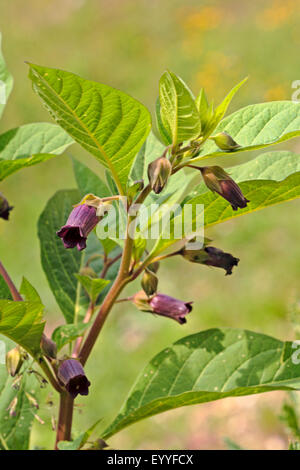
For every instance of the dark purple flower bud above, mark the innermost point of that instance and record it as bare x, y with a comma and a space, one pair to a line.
164, 305
80, 223
211, 256
5, 208
72, 376
216, 179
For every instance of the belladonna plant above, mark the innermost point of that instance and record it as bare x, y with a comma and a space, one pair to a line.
94, 242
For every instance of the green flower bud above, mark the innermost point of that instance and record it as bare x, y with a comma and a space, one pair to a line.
14, 361
149, 282
153, 267
159, 172
224, 141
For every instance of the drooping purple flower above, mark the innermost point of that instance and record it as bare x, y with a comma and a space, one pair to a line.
72, 376
211, 256
80, 223
216, 179
220, 259
170, 307
163, 305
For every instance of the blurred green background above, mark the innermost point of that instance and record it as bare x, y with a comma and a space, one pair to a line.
128, 44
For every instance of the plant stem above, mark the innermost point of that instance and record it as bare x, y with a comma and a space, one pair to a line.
121, 280
46, 369
88, 316
65, 416
13, 290
108, 263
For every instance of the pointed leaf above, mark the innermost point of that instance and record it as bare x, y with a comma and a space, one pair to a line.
92, 286
179, 114
257, 126
109, 124
165, 135
207, 366
30, 144
65, 334
22, 322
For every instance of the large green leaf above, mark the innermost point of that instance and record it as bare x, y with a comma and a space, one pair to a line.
275, 165
22, 322
6, 82
257, 126
108, 123
207, 366
30, 144
61, 265
178, 111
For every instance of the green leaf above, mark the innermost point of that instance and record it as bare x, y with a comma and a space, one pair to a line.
179, 114
15, 430
166, 136
30, 144
4, 290
275, 165
207, 366
257, 126
80, 441
22, 322
29, 292
220, 111
59, 264
88, 182
290, 418
6, 80
65, 334
92, 286
109, 124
